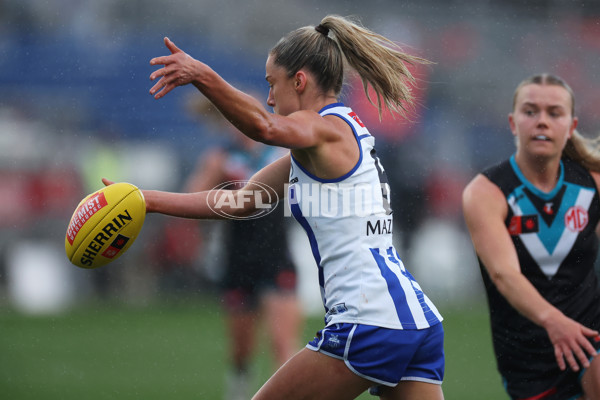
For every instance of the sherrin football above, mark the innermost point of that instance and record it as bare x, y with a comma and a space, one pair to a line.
104, 225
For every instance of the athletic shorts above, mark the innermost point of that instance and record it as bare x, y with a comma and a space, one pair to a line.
385, 356
549, 382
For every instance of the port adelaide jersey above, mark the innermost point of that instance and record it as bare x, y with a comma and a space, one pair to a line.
554, 235
349, 224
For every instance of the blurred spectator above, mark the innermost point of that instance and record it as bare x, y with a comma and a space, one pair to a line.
259, 278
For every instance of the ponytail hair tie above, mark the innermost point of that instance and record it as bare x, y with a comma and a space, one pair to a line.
321, 29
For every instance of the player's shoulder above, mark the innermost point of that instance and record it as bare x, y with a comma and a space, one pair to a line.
482, 193
575, 172
480, 186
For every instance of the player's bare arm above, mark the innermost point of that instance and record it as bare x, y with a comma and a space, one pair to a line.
201, 205
302, 129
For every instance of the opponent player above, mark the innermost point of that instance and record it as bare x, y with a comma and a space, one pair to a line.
533, 221
381, 329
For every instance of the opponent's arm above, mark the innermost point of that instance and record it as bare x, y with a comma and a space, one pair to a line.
201, 205
485, 210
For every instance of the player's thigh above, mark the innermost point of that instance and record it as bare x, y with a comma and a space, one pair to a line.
412, 390
312, 375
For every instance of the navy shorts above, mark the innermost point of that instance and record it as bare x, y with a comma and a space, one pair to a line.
385, 356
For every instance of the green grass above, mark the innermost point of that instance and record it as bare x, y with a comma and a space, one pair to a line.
176, 350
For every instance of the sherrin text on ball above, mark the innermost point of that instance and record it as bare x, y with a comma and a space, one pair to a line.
104, 225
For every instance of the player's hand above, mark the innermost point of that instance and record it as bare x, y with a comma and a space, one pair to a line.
179, 69
107, 182
570, 340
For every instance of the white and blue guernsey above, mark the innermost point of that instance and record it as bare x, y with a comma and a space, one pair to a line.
349, 222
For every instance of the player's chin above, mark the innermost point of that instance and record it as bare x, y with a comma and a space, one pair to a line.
544, 150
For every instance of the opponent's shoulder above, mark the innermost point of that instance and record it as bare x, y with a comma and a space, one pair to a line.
481, 196
575, 172
481, 187
498, 171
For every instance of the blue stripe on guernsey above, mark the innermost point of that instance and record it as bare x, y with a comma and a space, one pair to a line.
358, 285
549, 236
429, 314
552, 233
332, 105
551, 243
396, 291
297, 213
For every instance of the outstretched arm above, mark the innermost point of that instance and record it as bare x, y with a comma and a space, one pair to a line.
301, 129
238, 203
485, 210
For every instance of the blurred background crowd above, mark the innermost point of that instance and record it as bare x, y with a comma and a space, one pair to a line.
75, 107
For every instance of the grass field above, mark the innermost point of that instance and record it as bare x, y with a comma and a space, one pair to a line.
176, 350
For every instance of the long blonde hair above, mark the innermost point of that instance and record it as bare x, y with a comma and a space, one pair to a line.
579, 148
379, 62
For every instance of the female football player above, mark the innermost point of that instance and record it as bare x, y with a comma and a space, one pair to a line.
533, 221
382, 331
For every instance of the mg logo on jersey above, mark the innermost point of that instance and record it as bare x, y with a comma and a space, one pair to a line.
576, 218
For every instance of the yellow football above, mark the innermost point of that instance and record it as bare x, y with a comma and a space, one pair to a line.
104, 225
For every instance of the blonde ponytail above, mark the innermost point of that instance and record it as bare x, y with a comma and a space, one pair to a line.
379, 62
584, 151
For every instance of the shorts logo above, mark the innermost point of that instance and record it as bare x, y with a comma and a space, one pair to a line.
333, 342
576, 218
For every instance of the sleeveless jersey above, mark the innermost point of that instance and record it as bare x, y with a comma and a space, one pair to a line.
554, 235
349, 225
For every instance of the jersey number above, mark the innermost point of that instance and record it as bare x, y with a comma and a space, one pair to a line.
383, 181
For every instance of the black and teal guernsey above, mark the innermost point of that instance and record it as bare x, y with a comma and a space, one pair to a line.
554, 235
